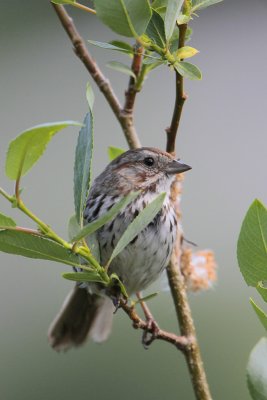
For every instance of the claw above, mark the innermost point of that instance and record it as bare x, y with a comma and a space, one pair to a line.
151, 333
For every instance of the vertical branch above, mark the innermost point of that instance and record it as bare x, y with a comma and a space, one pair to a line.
131, 92
175, 276
179, 99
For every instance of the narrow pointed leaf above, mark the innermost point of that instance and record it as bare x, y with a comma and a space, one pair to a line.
138, 224
114, 152
188, 70
6, 221
122, 46
114, 45
260, 313
252, 245
257, 371
146, 298
90, 96
91, 240
118, 66
63, 1
172, 13
114, 277
155, 30
82, 166
24, 244
27, 148
95, 225
126, 17
201, 4
262, 290
83, 277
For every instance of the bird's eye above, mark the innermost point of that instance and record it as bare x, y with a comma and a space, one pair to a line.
149, 161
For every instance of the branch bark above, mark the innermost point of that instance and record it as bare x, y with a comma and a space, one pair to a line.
175, 276
179, 99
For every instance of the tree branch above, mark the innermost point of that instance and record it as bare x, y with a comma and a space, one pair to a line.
175, 276
180, 342
97, 75
131, 92
179, 99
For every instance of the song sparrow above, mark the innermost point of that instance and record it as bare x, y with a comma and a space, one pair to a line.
86, 312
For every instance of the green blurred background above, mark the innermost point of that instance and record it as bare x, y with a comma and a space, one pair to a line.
223, 137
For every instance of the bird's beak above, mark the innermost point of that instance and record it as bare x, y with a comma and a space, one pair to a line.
176, 167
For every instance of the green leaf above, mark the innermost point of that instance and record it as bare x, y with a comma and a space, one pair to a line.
93, 245
155, 30
188, 70
262, 290
90, 96
186, 52
260, 313
146, 298
114, 277
83, 276
257, 371
91, 240
150, 66
95, 225
114, 45
82, 166
201, 4
63, 1
156, 4
126, 17
31, 246
252, 245
73, 227
114, 152
6, 221
172, 13
27, 148
138, 224
122, 46
118, 66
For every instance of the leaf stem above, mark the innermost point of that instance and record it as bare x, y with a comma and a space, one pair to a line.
6, 195
84, 8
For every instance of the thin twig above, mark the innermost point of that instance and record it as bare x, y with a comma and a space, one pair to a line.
179, 99
180, 342
131, 92
98, 76
84, 8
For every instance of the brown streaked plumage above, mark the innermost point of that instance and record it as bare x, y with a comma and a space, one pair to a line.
152, 171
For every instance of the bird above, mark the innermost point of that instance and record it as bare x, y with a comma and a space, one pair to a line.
87, 311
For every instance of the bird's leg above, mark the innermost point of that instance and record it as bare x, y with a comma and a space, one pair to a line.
152, 328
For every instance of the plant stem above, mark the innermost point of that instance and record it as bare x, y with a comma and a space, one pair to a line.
84, 8
98, 76
131, 92
6, 195
179, 99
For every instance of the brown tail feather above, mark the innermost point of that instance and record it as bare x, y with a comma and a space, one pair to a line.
82, 315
